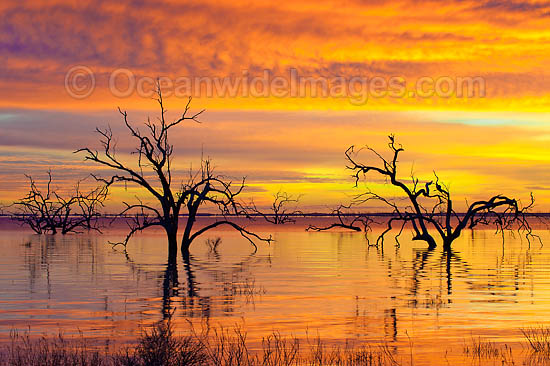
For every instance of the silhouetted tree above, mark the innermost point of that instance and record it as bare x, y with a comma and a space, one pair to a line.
152, 171
49, 212
428, 206
280, 212
346, 219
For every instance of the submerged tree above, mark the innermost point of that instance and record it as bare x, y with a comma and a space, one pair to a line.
346, 219
47, 211
428, 206
280, 212
152, 171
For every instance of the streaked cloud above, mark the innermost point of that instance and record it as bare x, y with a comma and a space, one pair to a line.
505, 42
301, 151
479, 145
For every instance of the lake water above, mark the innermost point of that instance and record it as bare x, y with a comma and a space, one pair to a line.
329, 284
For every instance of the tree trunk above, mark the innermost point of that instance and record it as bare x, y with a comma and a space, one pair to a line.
447, 243
428, 239
186, 240
185, 244
172, 234
431, 243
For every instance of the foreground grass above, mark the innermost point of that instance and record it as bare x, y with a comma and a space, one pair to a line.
161, 347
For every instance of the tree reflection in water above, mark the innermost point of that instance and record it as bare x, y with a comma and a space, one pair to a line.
237, 281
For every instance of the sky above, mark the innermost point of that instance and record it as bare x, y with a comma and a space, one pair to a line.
491, 141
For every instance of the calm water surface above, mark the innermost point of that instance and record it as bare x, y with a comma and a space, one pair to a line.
327, 284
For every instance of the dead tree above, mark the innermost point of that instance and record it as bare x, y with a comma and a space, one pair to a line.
280, 213
89, 204
345, 219
429, 207
50, 212
152, 171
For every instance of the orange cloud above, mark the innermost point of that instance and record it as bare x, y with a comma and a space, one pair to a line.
480, 145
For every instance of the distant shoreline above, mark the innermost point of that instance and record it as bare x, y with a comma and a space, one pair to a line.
311, 214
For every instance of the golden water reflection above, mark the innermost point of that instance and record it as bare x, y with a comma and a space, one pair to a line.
327, 284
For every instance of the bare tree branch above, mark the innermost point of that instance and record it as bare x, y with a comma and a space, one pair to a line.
50, 212
347, 219
503, 212
279, 212
152, 171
